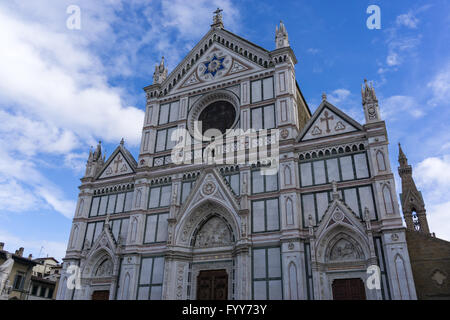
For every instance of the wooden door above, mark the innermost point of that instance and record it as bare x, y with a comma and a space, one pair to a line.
100, 295
212, 285
349, 289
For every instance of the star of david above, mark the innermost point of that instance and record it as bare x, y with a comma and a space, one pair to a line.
213, 66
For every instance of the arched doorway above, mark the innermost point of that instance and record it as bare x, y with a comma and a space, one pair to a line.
213, 261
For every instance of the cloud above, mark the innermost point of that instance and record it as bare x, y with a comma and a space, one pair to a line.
313, 51
432, 176
440, 87
46, 248
394, 106
408, 20
338, 96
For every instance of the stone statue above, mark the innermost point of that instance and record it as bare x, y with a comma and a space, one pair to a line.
5, 271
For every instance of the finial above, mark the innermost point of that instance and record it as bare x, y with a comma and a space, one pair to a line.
217, 19
122, 142
324, 96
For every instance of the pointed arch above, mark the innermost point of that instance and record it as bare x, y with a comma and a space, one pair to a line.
289, 206
387, 197
137, 204
381, 162
73, 243
134, 225
287, 175
80, 208
402, 278
293, 281
126, 287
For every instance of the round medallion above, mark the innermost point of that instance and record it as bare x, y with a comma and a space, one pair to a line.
209, 188
284, 133
394, 237
338, 216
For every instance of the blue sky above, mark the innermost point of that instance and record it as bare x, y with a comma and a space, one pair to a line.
62, 90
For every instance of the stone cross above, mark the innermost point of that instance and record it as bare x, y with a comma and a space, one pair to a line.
326, 119
117, 162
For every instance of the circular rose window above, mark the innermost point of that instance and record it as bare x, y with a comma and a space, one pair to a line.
218, 115
218, 110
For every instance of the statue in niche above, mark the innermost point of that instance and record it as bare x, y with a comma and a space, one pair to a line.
214, 233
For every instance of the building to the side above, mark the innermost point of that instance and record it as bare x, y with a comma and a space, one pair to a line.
429, 255
317, 228
45, 279
17, 278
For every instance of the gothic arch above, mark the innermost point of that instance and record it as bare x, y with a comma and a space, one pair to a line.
197, 215
126, 286
289, 206
222, 232
73, 243
287, 175
80, 208
381, 162
293, 281
343, 247
349, 235
387, 199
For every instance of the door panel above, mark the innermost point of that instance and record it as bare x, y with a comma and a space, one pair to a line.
348, 289
212, 285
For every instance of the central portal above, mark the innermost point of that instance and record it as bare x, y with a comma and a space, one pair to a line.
212, 285
348, 289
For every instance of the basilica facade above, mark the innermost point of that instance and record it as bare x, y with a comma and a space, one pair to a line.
324, 224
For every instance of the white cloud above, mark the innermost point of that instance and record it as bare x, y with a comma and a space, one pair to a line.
46, 248
397, 106
338, 96
407, 20
432, 176
438, 218
440, 87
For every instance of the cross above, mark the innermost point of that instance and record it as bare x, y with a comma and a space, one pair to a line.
117, 162
327, 119
218, 11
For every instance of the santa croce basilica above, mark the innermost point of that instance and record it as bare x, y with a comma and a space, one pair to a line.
312, 220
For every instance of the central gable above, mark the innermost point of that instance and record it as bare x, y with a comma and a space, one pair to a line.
328, 121
218, 63
244, 56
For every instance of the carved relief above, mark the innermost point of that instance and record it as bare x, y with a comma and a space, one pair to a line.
104, 269
343, 250
214, 233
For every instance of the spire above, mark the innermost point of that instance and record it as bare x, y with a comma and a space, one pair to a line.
217, 19
370, 102
411, 199
402, 160
160, 73
281, 36
98, 151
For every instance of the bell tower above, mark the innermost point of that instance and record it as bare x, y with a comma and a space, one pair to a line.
411, 199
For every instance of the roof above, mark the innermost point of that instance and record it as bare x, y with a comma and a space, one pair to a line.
17, 258
43, 259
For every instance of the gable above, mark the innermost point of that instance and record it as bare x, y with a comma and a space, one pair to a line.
328, 121
216, 64
116, 166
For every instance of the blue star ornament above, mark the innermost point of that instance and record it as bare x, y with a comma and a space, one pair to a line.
213, 66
